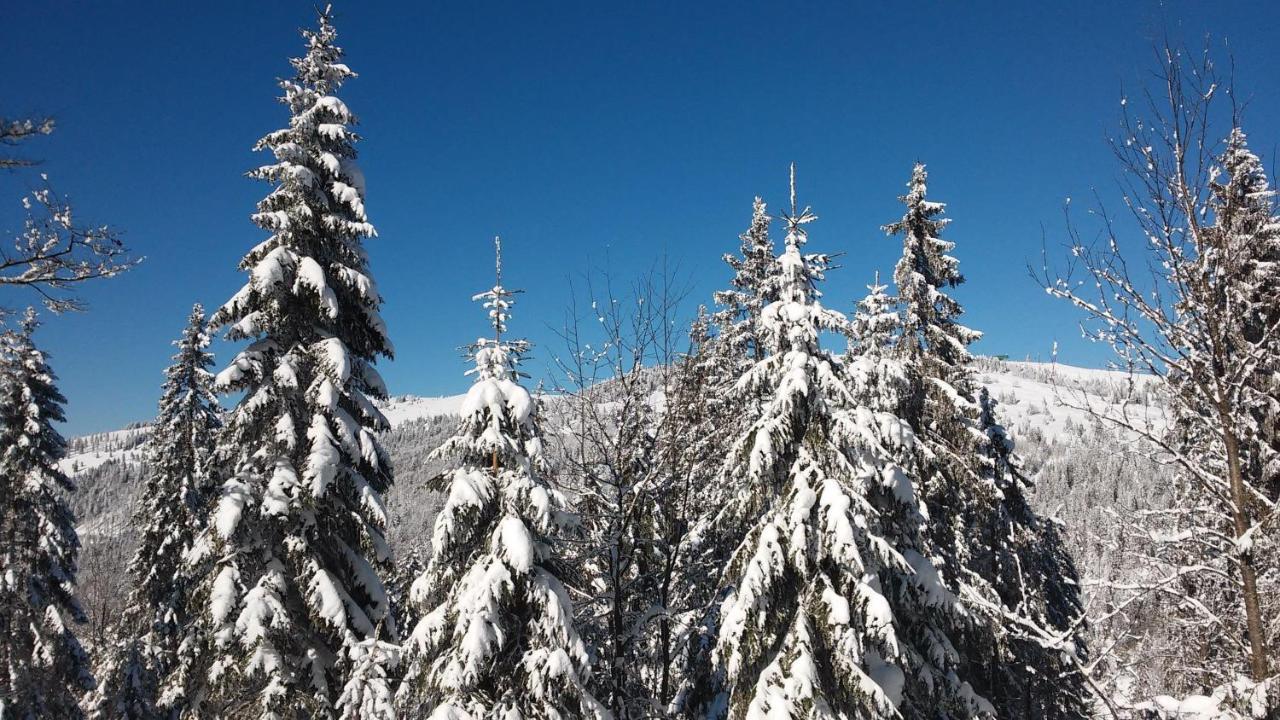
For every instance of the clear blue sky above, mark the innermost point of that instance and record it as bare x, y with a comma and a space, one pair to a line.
585, 133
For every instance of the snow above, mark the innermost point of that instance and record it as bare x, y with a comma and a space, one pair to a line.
235, 495
409, 408
270, 270
223, 596
517, 544
312, 275
1052, 398
1193, 707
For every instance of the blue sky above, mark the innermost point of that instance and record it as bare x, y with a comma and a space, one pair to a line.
589, 135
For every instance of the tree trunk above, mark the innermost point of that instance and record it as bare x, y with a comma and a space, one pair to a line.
1248, 574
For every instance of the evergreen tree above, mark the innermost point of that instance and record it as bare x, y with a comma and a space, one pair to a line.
875, 324
43, 668
409, 566
933, 343
297, 536
1007, 565
1246, 237
873, 335
754, 285
496, 638
148, 671
833, 609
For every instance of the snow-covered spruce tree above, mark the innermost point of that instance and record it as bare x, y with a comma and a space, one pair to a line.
1039, 608
933, 345
754, 285
727, 342
873, 333
295, 597
833, 610
146, 674
408, 567
496, 638
991, 549
876, 323
43, 668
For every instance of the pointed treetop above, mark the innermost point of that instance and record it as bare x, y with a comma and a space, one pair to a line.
796, 235
497, 254
499, 300
322, 66
796, 282
876, 287
919, 176
793, 188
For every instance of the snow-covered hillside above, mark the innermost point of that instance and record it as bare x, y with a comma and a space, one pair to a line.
1038, 402
1053, 402
407, 408
1043, 405
88, 452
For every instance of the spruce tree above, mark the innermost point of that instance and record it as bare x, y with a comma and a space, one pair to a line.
496, 638
992, 550
873, 335
1246, 245
726, 343
297, 540
148, 671
833, 608
43, 668
753, 286
875, 324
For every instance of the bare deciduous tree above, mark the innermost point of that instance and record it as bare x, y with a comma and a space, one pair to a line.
54, 253
1181, 290
614, 455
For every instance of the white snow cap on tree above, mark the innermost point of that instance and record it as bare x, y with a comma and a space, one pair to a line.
496, 638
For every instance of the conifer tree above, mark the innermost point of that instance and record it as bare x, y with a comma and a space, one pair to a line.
933, 343
873, 334
147, 673
496, 638
833, 608
43, 668
726, 343
875, 324
1247, 245
1007, 565
297, 541
754, 285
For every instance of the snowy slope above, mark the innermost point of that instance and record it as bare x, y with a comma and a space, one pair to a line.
1052, 402
1040, 398
88, 452
407, 408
